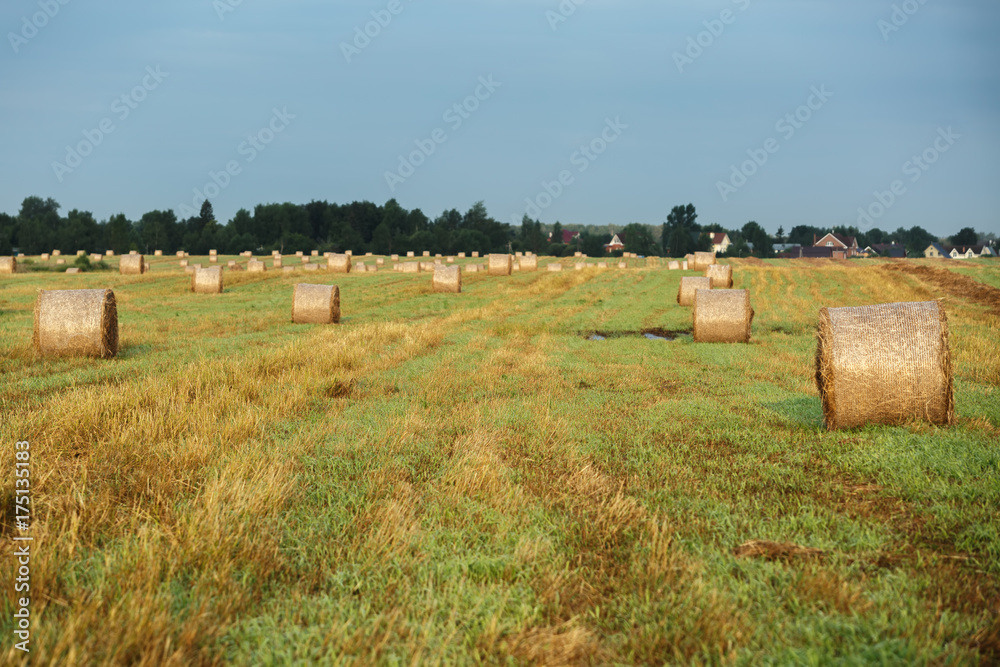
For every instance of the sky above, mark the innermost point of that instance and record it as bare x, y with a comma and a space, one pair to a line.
597, 112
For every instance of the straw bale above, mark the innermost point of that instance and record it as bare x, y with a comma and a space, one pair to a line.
427, 253
315, 304
131, 265
447, 279
684, 265
427, 266
622, 265
349, 253
579, 266
213, 253
475, 254
256, 266
79, 322
8, 265
685, 295
702, 260
314, 253
96, 257
578, 254
231, 263
179, 253
409, 253
207, 281
299, 253
884, 364
311, 267
461, 255
81, 253
438, 262
450, 260
73, 269
60, 261
361, 267
213, 259
411, 267
379, 261
516, 266
529, 263
674, 266
56, 253
394, 258
554, 266
722, 316
288, 269
500, 264
472, 268
276, 261
45, 256
157, 253
721, 275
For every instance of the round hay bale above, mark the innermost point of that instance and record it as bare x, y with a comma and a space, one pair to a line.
461, 255
339, 263
447, 279
314, 253
360, 267
349, 253
79, 322
207, 281
427, 253
81, 253
213, 259
472, 268
529, 263
394, 258
179, 253
684, 265
475, 254
685, 295
411, 267
288, 269
722, 316
45, 256
60, 261
213, 253
426, 266
554, 266
157, 253
183, 263
579, 266
132, 265
674, 266
500, 264
721, 275
450, 260
622, 265
315, 304
8, 265
256, 266
73, 269
702, 260
379, 261
409, 253
298, 253
276, 261
311, 267
96, 257
884, 364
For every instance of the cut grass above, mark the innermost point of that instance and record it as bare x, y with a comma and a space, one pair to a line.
467, 479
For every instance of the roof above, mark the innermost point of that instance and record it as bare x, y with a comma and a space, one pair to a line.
567, 236
847, 241
718, 238
889, 249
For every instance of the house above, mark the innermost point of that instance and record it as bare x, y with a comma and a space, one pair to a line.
886, 250
936, 250
958, 252
848, 244
720, 242
617, 243
567, 237
813, 252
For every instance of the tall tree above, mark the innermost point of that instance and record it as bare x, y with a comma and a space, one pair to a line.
965, 237
639, 239
37, 226
119, 231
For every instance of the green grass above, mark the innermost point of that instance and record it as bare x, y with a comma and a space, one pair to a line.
466, 479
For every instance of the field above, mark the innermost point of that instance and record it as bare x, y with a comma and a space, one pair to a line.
469, 479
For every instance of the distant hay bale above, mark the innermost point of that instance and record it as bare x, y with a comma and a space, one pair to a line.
256, 266
472, 268
360, 267
349, 253
8, 265
311, 267
394, 258
450, 260
411, 267
315, 304
213, 259
529, 263
427, 253
439, 261
207, 281
884, 364
602, 265
213, 253
579, 266
276, 261
499, 264
475, 254
81, 253
447, 279
702, 260
554, 266
231, 264
578, 254
157, 253
73, 269
684, 265
314, 253
56, 253
179, 253
299, 253
60, 261
379, 261
409, 253
80, 322
689, 258
622, 265
461, 255
96, 257
685, 295
45, 256
427, 266
183, 263
519, 254
339, 263
721, 275
132, 265
674, 266
515, 266
288, 269
722, 316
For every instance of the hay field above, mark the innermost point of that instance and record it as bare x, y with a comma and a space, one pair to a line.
467, 479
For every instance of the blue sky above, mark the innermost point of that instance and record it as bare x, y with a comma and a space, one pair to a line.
685, 115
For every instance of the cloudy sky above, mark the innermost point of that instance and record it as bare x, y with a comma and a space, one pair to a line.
604, 112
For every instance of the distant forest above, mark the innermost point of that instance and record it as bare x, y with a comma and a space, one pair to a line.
367, 227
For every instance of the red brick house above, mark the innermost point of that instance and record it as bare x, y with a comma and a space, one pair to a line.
847, 244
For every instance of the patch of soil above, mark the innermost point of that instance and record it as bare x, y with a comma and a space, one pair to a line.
952, 283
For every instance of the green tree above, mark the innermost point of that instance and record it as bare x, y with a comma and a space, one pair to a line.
382, 239
639, 239
677, 231
119, 231
557, 232
761, 240
965, 237
781, 234
159, 230
37, 226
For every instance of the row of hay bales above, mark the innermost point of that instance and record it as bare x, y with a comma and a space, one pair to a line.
719, 313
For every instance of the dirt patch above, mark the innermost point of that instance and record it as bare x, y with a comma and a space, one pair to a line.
953, 284
783, 551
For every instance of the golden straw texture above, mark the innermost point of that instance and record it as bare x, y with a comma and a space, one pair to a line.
884, 364
76, 322
339, 263
207, 281
132, 265
256, 266
722, 316
8, 265
315, 304
685, 295
721, 275
500, 265
447, 279
702, 260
